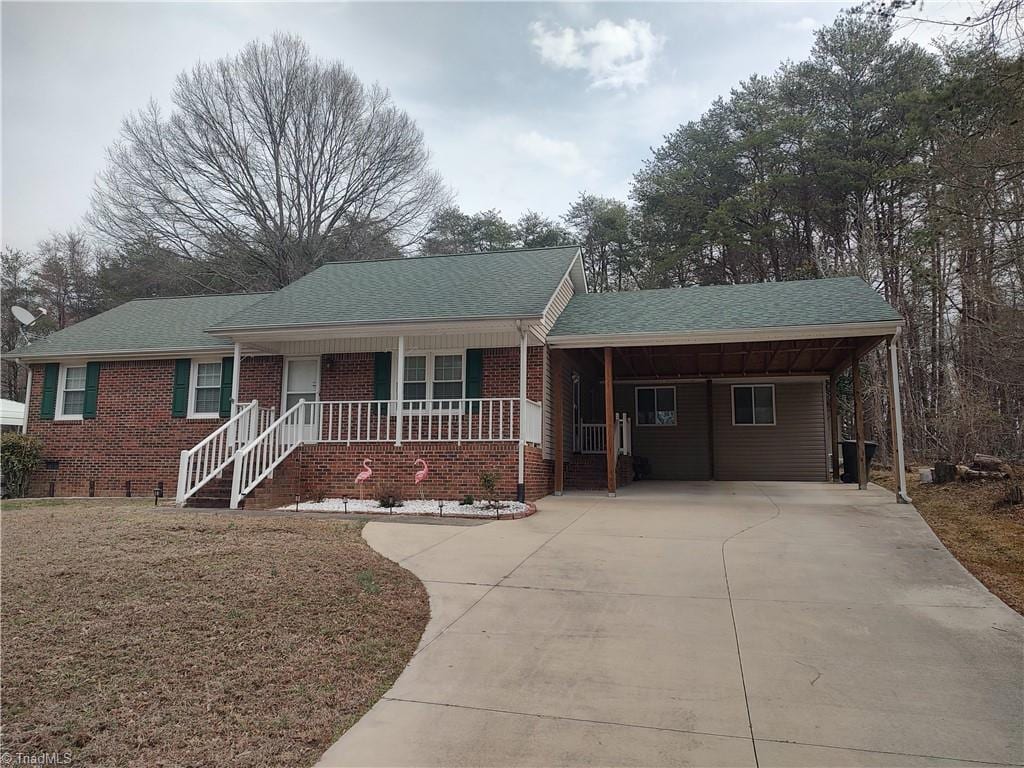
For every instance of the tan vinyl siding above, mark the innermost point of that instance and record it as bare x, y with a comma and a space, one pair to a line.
792, 449
677, 452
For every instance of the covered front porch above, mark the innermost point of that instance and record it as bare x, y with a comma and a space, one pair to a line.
747, 406
388, 397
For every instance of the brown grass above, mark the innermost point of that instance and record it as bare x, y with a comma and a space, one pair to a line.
136, 636
978, 527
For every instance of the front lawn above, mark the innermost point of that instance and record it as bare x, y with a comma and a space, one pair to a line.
145, 637
982, 532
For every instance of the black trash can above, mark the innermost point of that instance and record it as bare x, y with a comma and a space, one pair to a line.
850, 459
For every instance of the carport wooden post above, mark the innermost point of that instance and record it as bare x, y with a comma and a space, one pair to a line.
858, 421
558, 419
833, 414
609, 421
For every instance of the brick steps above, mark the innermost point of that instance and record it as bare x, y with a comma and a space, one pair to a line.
216, 494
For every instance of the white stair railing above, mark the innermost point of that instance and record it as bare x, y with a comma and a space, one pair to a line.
208, 458
257, 460
592, 436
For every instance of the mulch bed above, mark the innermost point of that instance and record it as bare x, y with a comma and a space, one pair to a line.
977, 526
135, 637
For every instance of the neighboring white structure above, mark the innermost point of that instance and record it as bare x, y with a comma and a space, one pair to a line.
12, 415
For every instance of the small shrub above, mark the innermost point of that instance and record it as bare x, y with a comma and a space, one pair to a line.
467, 500
489, 484
390, 498
19, 456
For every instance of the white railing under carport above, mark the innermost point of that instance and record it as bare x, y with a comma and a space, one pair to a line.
590, 438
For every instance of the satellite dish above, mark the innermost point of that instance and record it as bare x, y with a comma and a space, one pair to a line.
22, 315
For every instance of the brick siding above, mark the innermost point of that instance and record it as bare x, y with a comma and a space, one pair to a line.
134, 438
328, 470
588, 472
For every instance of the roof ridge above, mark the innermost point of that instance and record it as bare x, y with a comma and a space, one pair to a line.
719, 285
196, 296
449, 255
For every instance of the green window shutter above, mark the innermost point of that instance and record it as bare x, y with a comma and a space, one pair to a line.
227, 367
92, 390
179, 401
474, 376
48, 402
382, 377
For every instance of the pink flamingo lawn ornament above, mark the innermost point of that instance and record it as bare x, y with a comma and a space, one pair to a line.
365, 475
421, 475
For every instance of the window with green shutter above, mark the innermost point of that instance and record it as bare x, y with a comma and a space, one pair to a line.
227, 366
48, 401
382, 377
92, 390
179, 397
474, 377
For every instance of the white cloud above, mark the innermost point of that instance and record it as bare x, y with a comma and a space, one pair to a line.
613, 55
563, 156
805, 24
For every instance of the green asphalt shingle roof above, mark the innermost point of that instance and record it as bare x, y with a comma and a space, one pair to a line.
724, 307
143, 325
515, 283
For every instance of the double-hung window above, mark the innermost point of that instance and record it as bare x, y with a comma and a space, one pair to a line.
433, 380
204, 400
753, 405
72, 392
655, 406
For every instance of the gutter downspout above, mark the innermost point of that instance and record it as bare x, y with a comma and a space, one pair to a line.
28, 401
236, 375
521, 482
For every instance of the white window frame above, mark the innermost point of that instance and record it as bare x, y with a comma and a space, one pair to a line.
193, 385
58, 414
753, 415
429, 354
636, 406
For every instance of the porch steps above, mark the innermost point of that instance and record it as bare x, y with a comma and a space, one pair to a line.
216, 494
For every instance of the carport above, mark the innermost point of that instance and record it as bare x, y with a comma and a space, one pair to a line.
763, 337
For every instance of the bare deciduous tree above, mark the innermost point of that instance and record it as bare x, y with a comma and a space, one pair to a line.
270, 161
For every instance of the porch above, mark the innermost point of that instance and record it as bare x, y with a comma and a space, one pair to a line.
374, 395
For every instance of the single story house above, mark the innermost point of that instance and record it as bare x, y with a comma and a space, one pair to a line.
496, 361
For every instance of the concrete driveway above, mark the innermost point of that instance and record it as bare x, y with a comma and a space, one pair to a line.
717, 624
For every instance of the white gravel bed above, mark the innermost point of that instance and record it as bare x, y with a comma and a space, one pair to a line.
422, 507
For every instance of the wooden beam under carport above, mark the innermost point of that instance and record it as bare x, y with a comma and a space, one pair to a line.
609, 421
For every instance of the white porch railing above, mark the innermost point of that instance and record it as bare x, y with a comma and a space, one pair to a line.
487, 419
257, 460
590, 438
208, 458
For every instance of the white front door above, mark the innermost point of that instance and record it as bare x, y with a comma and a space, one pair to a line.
302, 382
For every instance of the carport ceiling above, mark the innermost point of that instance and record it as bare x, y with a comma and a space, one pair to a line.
755, 358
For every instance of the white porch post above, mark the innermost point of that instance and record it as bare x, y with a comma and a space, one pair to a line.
400, 394
236, 375
237, 368
521, 483
901, 474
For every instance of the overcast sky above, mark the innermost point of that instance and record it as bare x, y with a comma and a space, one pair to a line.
522, 105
